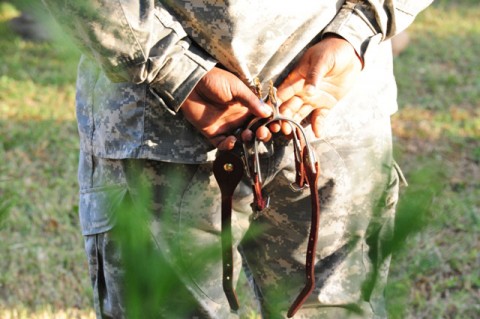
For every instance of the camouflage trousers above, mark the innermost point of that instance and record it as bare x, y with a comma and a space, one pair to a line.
358, 189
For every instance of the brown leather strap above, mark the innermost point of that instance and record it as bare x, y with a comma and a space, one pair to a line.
312, 179
260, 202
228, 171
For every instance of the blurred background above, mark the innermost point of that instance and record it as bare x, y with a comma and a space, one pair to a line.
435, 269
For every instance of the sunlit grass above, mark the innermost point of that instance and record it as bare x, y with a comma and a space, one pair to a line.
46, 314
439, 70
8, 11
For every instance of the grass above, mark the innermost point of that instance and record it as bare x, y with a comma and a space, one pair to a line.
43, 272
437, 275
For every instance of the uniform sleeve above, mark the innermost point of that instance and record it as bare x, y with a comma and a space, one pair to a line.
136, 41
359, 21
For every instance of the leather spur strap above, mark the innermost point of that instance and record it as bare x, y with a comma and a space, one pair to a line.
312, 180
228, 171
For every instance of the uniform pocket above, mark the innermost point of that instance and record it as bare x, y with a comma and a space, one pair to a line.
102, 190
98, 208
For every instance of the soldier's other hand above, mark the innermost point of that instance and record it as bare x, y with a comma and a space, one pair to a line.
324, 75
219, 104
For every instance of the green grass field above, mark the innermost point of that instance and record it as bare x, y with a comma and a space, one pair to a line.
436, 274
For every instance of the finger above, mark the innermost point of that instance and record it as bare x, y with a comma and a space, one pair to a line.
275, 127
323, 97
290, 107
217, 140
226, 143
223, 126
263, 134
247, 135
287, 128
292, 85
317, 118
303, 113
316, 72
288, 110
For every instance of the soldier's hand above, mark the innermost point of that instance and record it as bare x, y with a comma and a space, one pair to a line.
325, 74
219, 104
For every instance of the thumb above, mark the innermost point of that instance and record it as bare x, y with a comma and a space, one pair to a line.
247, 98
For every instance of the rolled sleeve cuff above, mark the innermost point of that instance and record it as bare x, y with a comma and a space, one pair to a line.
356, 24
172, 89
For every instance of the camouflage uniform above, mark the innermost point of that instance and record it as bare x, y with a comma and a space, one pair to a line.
142, 60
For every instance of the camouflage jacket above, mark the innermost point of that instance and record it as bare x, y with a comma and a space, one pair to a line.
143, 57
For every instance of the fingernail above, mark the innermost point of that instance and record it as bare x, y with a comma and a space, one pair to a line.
310, 89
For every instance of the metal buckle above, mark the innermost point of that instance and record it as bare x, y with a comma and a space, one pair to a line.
251, 149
